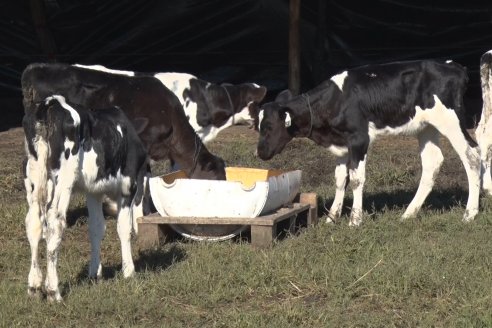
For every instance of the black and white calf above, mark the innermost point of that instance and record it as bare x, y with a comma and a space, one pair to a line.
210, 107
347, 112
484, 128
99, 153
163, 126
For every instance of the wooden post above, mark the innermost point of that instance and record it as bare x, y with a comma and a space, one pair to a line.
45, 37
294, 47
319, 71
311, 199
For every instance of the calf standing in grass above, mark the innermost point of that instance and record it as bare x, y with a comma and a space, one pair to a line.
97, 152
346, 113
484, 129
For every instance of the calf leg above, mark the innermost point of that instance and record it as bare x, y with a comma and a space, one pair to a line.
97, 227
341, 179
125, 222
358, 146
485, 144
34, 229
357, 180
432, 158
54, 232
446, 121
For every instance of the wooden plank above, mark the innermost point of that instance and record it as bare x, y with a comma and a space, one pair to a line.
267, 220
262, 236
294, 47
149, 235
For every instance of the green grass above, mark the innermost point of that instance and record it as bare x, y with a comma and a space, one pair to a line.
430, 271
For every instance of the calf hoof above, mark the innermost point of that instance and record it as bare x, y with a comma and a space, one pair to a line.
330, 220
355, 221
35, 293
53, 296
469, 215
128, 272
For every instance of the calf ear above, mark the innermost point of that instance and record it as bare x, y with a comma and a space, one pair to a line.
259, 93
284, 96
140, 123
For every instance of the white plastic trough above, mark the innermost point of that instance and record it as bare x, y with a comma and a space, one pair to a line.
247, 193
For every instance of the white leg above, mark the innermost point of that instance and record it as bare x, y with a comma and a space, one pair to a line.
447, 123
97, 227
432, 158
34, 229
124, 232
341, 177
484, 139
54, 232
357, 180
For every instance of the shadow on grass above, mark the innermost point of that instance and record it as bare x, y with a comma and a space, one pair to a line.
148, 260
400, 199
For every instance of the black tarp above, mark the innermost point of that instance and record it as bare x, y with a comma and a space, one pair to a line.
242, 40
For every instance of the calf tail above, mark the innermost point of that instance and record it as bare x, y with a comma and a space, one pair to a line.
38, 172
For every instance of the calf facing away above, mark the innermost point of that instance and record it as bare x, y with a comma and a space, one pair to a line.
99, 153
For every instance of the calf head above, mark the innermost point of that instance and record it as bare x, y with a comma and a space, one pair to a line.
274, 132
209, 167
251, 96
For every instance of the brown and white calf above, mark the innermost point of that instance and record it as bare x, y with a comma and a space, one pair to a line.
163, 126
99, 153
209, 107
347, 112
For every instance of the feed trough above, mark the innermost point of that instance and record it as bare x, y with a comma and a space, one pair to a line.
246, 193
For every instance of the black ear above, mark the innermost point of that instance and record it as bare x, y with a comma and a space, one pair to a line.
140, 123
256, 93
284, 96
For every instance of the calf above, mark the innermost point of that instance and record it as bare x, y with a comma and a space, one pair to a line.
209, 107
484, 128
347, 112
98, 153
163, 126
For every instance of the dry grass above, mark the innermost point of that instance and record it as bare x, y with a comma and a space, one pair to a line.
430, 271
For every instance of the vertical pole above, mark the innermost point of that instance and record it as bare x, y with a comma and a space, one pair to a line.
45, 37
319, 67
294, 47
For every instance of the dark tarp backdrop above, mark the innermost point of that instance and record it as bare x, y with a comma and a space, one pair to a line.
238, 41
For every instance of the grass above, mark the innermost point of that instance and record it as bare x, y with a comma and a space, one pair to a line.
430, 271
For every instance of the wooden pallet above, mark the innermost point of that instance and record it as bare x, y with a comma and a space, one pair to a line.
154, 229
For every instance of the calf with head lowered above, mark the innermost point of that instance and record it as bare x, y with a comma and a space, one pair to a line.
162, 124
347, 112
99, 153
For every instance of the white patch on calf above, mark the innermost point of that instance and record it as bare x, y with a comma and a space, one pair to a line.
338, 151
110, 185
118, 128
260, 118
288, 120
70, 109
449, 61
105, 69
339, 79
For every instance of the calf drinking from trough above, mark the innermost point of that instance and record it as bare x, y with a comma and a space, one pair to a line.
348, 111
99, 153
163, 126
209, 107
